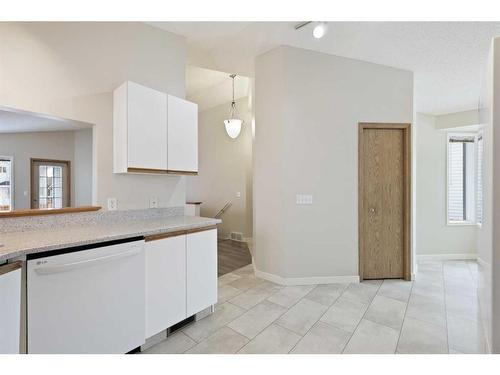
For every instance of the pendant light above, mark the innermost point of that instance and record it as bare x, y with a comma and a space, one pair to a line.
233, 124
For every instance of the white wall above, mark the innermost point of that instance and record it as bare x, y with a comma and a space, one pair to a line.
489, 233
58, 145
225, 167
457, 119
70, 70
308, 106
495, 149
434, 237
83, 168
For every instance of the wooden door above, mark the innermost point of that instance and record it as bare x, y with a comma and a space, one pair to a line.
50, 184
384, 201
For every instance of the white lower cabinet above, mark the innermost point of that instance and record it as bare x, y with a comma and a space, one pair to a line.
201, 270
165, 283
10, 308
181, 278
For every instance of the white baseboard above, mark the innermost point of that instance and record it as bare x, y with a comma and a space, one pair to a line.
427, 257
289, 281
482, 263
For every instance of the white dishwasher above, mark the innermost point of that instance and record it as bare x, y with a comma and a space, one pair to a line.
88, 299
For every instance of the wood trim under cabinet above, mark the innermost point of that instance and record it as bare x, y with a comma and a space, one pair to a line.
160, 171
48, 211
9, 267
146, 170
157, 237
191, 173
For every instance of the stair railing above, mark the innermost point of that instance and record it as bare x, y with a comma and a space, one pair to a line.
223, 209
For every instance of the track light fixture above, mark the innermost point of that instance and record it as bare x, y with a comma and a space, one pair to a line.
319, 29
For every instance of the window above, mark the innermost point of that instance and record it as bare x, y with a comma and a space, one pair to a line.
461, 178
479, 187
50, 186
6, 183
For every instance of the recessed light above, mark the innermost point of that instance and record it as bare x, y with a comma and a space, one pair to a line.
319, 30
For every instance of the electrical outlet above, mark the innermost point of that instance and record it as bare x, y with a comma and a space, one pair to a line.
112, 204
238, 194
153, 202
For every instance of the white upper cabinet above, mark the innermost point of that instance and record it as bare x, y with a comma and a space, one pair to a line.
182, 135
153, 132
140, 128
147, 127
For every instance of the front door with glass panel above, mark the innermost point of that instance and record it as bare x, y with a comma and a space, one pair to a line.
50, 183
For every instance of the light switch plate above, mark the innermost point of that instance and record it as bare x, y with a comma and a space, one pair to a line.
304, 199
112, 204
153, 202
238, 194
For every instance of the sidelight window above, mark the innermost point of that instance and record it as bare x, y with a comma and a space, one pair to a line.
6, 183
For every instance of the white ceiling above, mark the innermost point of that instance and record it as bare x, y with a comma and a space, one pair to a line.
14, 121
210, 88
447, 58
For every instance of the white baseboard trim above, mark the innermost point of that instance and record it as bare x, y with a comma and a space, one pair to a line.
482, 263
289, 281
466, 256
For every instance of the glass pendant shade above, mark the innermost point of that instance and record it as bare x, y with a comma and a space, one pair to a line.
233, 127
233, 124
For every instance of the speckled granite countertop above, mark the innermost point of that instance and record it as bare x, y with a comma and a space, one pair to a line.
28, 242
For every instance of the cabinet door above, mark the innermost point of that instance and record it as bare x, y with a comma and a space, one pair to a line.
165, 283
182, 135
201, 270
10, 309
147, 128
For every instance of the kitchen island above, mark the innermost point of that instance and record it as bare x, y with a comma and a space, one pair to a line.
20, 243
108, 282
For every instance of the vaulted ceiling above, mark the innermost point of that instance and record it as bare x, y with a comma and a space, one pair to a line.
210, 88
447, 58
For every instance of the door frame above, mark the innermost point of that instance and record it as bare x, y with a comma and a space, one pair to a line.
407, 178
32, 175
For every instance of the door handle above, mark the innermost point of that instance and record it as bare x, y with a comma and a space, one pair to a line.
47, 270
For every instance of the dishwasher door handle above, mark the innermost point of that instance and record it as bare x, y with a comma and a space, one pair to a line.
48, 270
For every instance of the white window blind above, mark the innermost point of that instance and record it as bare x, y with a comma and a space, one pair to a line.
479, 188
461, 164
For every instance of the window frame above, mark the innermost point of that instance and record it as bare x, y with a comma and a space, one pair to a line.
12, 200
472, 221
480, 134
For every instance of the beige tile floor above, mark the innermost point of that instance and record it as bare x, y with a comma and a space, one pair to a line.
437, 313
